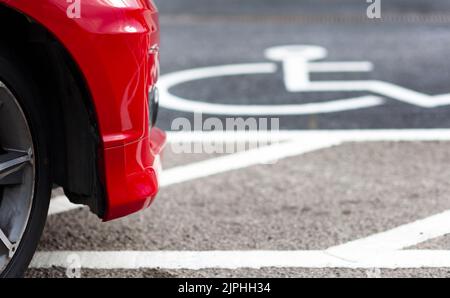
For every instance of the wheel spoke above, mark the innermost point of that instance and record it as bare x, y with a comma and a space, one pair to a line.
10, 163
10, 246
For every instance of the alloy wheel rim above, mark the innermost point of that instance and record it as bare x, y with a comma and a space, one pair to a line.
17, 175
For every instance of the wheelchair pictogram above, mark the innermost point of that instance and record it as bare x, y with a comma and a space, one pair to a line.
298, 63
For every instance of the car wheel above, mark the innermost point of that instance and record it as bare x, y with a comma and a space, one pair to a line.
24, 168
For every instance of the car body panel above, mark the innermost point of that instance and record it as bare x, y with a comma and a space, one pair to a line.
115, 45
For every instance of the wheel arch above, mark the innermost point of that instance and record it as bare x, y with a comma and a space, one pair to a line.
72, 123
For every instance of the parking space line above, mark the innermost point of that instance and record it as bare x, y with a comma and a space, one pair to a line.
401, 237
382, 250
195, 260
61, 204
240, 160
369, 135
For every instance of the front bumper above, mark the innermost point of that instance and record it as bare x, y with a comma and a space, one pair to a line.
132, 174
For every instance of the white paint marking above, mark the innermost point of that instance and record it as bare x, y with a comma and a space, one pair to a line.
402, 237
363, 66
378, 251
378, 87
295, 61
297, 67
195, 260
61, 204
381, 135
174, 102
242, 160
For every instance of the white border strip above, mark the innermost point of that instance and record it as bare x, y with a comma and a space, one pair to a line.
195, 260
263, 155
307, 135
402, 237
62, 204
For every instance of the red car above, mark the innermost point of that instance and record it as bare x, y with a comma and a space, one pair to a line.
78, 105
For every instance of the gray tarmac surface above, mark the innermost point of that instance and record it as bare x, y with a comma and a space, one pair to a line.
311, 201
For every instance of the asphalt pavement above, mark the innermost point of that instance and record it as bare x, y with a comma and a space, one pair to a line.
327, 195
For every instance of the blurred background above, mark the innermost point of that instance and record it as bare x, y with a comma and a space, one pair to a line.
297, 8
408, 46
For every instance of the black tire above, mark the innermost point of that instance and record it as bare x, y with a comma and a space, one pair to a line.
15, 76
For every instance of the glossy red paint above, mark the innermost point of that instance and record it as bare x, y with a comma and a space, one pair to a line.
113, 42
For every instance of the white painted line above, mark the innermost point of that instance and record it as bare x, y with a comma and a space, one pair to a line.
195, 260
363, 66
62, 204
401, 237
297, 65
378, 87
240, 160
377, 251
410, 135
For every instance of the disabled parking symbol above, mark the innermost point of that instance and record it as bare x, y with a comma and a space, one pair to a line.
298, 63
